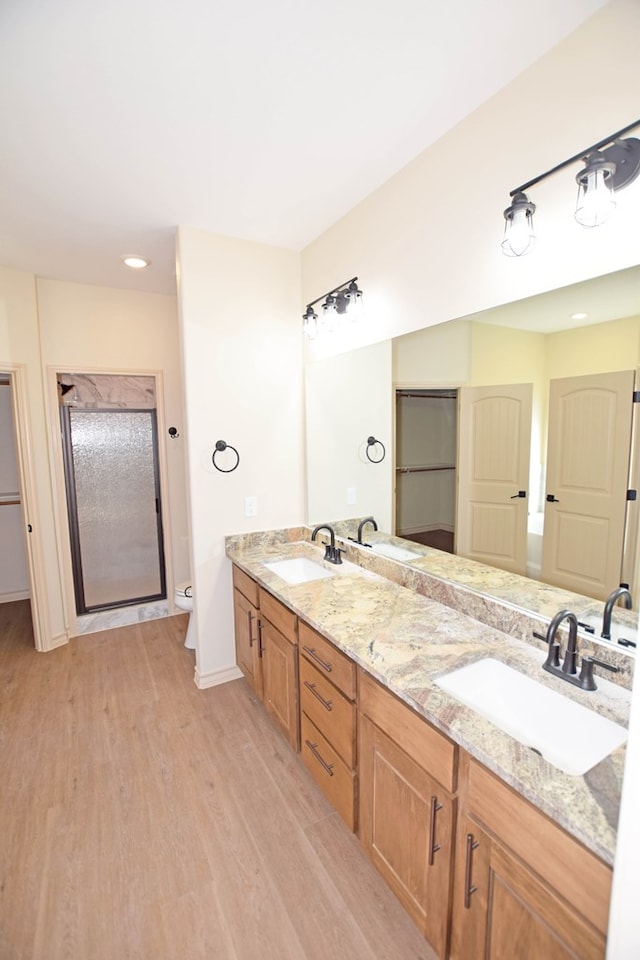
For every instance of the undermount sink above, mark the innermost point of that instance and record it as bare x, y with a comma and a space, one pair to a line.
298, 570
568, 735
392, 552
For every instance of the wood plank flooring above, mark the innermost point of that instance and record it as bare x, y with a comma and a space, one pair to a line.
144, 819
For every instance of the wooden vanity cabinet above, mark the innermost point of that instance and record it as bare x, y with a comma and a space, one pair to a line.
278, 644
524, 889
328, 720
407, 774
246, 617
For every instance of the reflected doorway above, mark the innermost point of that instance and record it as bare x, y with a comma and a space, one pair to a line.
426, 455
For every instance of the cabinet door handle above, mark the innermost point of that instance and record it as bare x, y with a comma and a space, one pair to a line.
468, 888
249, 617
314, 656
259, 636
433, 846
311, 687
323, 763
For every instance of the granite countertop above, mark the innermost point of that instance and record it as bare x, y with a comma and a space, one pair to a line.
407, 641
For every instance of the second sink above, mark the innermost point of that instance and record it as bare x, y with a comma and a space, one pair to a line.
392, 552
568, 735
298, 570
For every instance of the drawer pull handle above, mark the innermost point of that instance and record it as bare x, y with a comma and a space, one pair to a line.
323, 763
314, 656
433, 846
311, 687
468, 889
250, 627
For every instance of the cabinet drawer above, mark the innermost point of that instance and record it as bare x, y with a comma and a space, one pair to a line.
422, 742
248, 587
563, 862
331, 774
329, 660
280, 616
329, 710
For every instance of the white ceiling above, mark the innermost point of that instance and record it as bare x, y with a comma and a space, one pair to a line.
610, 297
261, 120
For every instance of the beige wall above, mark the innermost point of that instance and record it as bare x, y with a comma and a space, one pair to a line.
20, 354
242, 346
49, 325
348, 399
603, 347
90, 329
426, 245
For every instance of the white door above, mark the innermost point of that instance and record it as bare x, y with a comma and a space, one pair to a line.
493, 474
587, 475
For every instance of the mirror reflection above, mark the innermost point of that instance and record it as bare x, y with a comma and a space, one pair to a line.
532, 479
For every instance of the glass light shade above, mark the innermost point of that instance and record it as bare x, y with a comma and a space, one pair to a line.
519, 237
310, 323
596, 201
329, 313
354, 302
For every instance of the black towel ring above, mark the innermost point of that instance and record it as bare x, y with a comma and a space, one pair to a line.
220, 446
371, 442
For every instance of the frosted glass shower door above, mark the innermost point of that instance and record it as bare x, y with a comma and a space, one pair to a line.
113, 495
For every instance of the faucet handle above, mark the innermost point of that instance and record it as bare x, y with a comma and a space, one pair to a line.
586, 679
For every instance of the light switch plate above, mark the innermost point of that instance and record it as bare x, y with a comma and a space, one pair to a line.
250, 506
351, 495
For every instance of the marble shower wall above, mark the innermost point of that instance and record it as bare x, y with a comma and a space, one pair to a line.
105, 391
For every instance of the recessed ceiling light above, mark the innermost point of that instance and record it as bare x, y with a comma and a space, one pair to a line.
135, 262
579, 316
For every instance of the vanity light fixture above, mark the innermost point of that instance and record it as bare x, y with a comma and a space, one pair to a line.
609, 165
344, 300
135, 262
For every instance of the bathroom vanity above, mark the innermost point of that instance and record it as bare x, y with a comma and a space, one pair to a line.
493, 850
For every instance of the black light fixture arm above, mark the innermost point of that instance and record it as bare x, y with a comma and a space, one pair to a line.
340, 286
578, 156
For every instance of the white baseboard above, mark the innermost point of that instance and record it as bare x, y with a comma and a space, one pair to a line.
426, 528
215, 677
55, 642
16, 595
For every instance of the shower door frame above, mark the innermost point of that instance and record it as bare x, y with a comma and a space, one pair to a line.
72, 512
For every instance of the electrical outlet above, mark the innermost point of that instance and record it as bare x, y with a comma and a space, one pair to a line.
250, 506
351, 495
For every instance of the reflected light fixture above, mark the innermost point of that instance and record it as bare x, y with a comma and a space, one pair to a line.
135, 262
344, 300
609, 165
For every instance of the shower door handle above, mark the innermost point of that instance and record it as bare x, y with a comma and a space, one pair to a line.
157, 505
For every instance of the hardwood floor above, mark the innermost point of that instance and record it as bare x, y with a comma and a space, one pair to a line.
144, 818
439, 539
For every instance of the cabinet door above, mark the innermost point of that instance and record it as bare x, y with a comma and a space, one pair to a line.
247, 640
406, 827
502, 911
280, 681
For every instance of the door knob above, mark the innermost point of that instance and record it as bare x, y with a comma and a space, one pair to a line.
519, 495
551, 498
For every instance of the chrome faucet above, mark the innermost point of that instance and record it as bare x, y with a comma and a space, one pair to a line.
361, 525
568, 670
619, 593
331, 552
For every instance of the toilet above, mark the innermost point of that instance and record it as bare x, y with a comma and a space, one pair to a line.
183, 598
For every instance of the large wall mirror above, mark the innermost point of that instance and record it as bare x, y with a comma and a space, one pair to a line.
412, 391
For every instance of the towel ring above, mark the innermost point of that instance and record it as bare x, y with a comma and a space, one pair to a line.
220, 446
371, 442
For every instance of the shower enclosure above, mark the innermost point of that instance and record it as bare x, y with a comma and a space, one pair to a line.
113, 501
